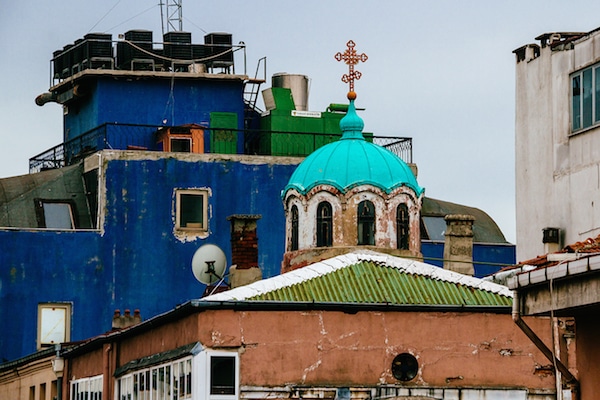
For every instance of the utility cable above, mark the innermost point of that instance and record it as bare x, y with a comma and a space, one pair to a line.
104, 16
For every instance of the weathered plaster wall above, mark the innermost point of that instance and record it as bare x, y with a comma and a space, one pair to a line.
344, 220
330, 348
557, 174
35, 378
135, 260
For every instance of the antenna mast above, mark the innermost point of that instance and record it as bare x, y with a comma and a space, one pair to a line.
171, 16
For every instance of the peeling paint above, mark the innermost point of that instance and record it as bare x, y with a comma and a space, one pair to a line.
312, 368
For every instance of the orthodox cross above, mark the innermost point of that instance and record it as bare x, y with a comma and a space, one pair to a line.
351, 59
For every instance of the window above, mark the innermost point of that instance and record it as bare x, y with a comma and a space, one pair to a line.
54, 324
55, 214
181, 145
189, 372
324, 225
402, 227
223, 375
294, 233
171, 380
87, 388
192, 209
433, 228
585, 98
405, 367
366, 223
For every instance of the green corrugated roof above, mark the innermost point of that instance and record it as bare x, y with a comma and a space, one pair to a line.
370, 282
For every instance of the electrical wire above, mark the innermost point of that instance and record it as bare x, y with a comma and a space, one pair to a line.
129, 19
192, 22
104, 16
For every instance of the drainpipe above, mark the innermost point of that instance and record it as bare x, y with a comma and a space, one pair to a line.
106, 370
570, 380
58, 367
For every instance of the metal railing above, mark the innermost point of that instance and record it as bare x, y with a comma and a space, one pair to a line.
119, 136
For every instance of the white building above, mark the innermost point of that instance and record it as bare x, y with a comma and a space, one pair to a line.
557, 141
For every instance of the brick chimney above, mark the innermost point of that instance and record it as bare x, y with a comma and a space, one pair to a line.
244, 250
458, 246
126, 320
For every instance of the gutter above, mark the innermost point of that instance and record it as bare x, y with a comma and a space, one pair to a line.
567, 376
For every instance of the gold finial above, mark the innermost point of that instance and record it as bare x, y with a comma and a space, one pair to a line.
351, 59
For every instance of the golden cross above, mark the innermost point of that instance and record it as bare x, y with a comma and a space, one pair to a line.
351, 59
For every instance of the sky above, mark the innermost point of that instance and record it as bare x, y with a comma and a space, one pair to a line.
440, 72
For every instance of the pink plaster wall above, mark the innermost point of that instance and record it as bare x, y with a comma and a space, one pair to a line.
319, 348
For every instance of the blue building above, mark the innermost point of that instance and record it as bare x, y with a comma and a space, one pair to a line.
163, 143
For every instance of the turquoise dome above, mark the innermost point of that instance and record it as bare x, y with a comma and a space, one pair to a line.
351, 162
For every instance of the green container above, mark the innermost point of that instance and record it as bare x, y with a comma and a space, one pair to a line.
287, 132
223, 132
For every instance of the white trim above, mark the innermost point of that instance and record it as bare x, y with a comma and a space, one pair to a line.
89, 388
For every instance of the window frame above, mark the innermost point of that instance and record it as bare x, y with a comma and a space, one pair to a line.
188, 140
146, 382
40, 212
295, 228
40, 323
364, 220
585, 111
210, 354
402, 227
202, 193
324, 225
89, 383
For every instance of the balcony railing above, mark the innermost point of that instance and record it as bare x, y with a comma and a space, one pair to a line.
223, 141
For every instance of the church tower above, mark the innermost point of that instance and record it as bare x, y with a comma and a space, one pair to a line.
349, 194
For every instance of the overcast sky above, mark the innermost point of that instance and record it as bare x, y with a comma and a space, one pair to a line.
441, 72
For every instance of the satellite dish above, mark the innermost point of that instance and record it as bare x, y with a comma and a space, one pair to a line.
208, 264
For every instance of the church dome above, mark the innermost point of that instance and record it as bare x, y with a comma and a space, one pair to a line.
351, 162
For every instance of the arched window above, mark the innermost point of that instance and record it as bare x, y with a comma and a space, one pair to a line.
402, 227
324, 225
366, 223
294, 244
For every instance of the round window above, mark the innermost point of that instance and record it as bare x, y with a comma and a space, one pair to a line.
405, 367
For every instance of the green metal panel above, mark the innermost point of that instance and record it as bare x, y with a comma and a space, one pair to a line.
223, 132
372, 283
287, 135
283, 98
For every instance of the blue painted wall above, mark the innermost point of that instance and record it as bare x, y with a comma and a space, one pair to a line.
488, 258
152, 102
137, 262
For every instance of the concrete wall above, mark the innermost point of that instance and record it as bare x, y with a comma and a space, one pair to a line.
557, 174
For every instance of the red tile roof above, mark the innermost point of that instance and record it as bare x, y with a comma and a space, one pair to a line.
588, 246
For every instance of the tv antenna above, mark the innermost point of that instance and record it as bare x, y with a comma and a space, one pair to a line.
171, 16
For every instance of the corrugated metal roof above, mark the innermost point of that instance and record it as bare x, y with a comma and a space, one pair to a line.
372, 278
369, 282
